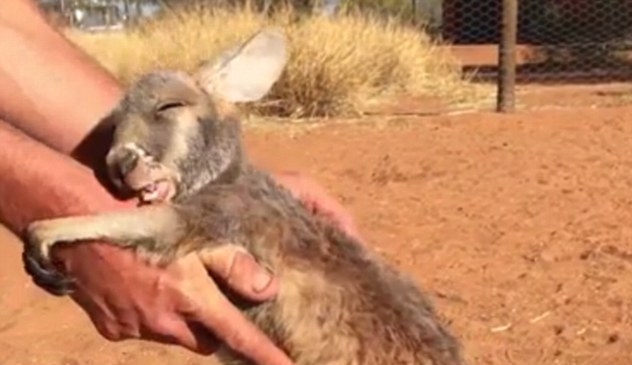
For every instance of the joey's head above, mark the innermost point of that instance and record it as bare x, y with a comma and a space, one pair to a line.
176, 132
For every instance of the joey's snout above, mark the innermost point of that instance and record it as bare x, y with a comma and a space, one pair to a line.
131, 169
126, 162
120, 163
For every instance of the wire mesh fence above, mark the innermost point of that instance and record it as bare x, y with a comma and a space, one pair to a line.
564, 52
557, 40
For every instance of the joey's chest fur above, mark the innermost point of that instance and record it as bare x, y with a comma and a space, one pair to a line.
246, 206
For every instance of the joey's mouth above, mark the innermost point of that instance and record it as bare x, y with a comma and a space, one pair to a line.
151, 181
157, 191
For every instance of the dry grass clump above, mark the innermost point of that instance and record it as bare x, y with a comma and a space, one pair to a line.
336, 64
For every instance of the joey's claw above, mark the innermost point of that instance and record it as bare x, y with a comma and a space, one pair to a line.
47, 277
37, 263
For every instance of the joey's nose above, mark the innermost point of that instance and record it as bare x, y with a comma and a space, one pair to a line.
127, 161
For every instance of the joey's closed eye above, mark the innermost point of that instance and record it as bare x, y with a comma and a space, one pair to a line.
169, 105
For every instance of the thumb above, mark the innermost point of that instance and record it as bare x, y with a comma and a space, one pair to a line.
214, 312
240, 272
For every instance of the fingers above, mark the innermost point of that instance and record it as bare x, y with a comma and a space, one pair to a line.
230, 327
337, 216
100, 314
174, 330
239, 270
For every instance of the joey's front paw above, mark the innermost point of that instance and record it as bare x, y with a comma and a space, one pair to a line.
47, 278
37, 262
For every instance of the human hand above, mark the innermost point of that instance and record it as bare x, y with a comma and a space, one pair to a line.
180, 305
317, 200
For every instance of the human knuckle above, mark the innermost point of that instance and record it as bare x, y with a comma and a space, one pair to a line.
238, 341
110, 332
162, 325
127, 331
164, 283
190, 304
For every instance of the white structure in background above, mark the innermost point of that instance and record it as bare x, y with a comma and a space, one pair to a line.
329, 7
98, 15
79, 15
429, 11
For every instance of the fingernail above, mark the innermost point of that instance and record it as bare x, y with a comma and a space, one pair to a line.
261, 280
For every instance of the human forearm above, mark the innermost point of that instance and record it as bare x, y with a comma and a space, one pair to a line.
37, 183
45, 80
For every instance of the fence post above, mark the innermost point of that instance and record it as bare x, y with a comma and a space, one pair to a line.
507, 57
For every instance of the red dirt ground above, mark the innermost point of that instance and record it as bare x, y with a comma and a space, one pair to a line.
516, 225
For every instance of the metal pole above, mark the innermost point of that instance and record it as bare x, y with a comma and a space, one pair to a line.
507, 57
62, 10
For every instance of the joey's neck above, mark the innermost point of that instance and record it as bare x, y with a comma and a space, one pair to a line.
218, 167
237, 167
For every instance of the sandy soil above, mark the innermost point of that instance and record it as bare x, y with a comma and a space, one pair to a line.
516, 225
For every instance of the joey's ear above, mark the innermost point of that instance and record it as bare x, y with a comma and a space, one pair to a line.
246, 72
